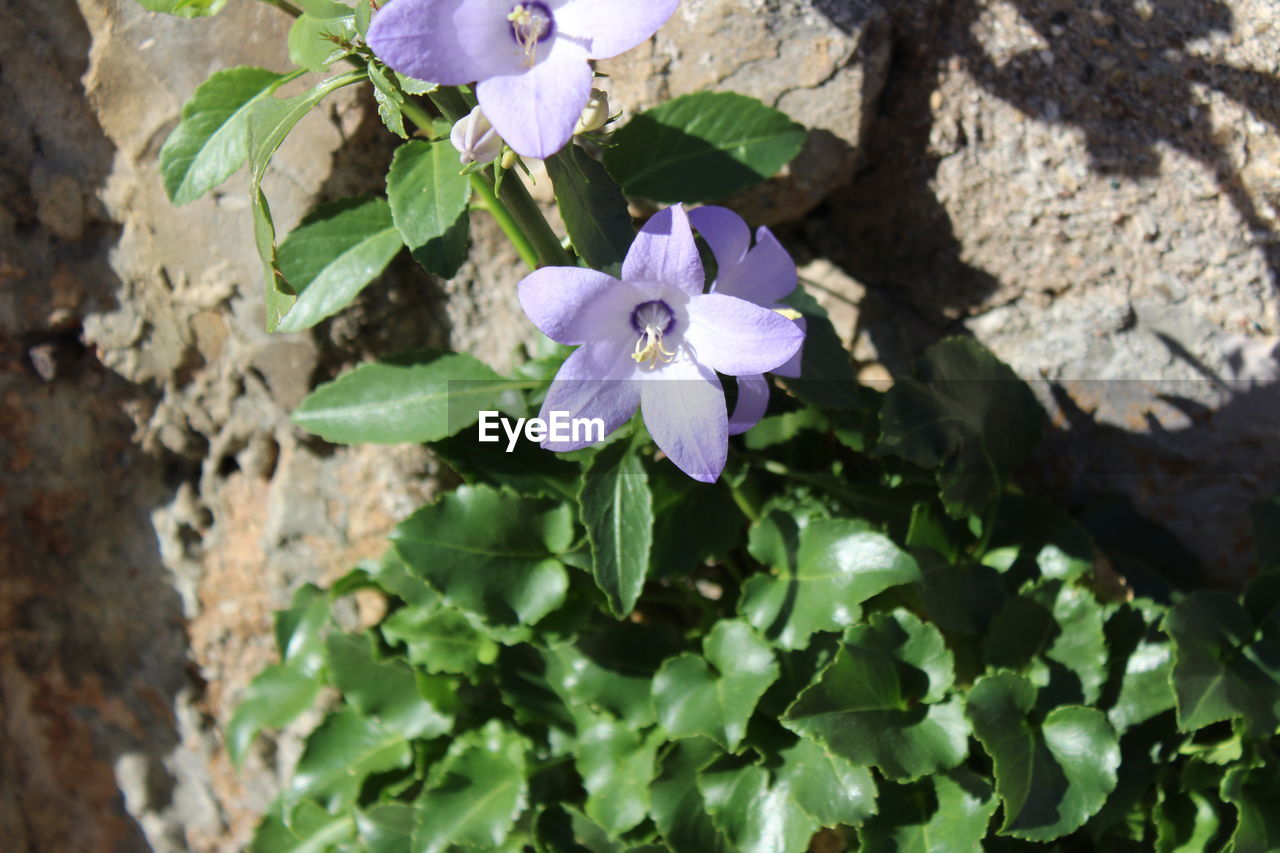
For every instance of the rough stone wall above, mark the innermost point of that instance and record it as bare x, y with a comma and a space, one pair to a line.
1090, 188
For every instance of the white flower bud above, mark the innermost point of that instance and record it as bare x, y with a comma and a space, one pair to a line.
475, 139
595, 114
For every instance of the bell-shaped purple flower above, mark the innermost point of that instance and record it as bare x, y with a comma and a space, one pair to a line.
762, 274
654, 340
528, 59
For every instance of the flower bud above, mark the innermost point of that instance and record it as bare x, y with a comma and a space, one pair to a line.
595, 114
475, 139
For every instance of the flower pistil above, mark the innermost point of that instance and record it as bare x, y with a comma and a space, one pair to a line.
652, 320
530, 23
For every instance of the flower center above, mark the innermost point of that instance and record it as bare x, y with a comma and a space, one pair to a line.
531, 23
652, 320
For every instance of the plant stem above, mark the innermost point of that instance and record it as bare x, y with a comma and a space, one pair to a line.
286, 7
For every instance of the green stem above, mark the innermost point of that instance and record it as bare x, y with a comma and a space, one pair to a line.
749, 509
286, 7
529, 215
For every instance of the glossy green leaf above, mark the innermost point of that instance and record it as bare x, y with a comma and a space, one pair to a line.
313, 39
714, 695
340, 754
429, 204
1051, 776
388, 691
1219, 673
440, 639
1185, 822
611, 669
389, 98
617, 764
409, 400
692, 521
944, 813
273, 699
828, 787
270, 121
1254, 791
527, 470
210, 142
332, 256
490, 555
754, 812
617, 511
840, 564
676, 803
184, 8
475, 793
880, 701
779, 429
311, 830
702, 147
966, 416
300, 630
1143, 662
386, 827
594, 211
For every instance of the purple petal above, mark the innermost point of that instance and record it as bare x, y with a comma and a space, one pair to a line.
726, 234
753, 401
792, 367
664, 252
449, 42
765, 275
595, 381
535, 109
609, 27
735, 337
684, 410
572, 305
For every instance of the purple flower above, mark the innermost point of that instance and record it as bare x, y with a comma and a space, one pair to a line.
529, 59
762, 274
654, 340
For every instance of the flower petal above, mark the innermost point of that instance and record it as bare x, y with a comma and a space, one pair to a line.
753, 402
684, 410
572, 305
726, 234
535, 109
664, 252
765, 275
735, 337
792, 367
595, 381
449, 42
609, 27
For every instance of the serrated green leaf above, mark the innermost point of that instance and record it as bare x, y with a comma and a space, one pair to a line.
300, 629
676, 803
414, 399
412, 85
1052, 776
840, 564
755, 813
389, 98
702, 147
440, 640
692, 522
617, 764
386, 691
332, 256
475, 793
312, 42
184, 8
594, 211
273, 699
617, 511
828, 787
340, 754
527, 470
490, 555
967, 417
1254, 791
363, 14
944, 813
880, 700
429, 204
611, 669
311, 830
210, 142
386, 827
714, 695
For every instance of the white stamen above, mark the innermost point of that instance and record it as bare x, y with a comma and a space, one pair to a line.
530, 25
649, 347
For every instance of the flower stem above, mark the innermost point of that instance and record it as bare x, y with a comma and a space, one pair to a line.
286, 7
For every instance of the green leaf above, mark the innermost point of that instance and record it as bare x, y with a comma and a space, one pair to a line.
1185, 821
475, 793
184, 8
527, 470
332, 256
594, 211
429, 204
779, 429
828, 378
389, 99
715, 695
412, 85
617, 511
387, 691
967, 417
828, 787
702, 147
1218, 672
386, 827
300, 630
692, 521
611, 669
210, 141
311, 830
1254, 792
676, 803
1051, 776
944, 813
1144, 661
273, 699
617, 764
340, 754
418, 398
880, 700
840, 564
440, 640
270, 121
363, 15
490, 555
755, 813
311, 38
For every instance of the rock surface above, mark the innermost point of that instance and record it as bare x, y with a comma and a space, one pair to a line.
1089, 188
